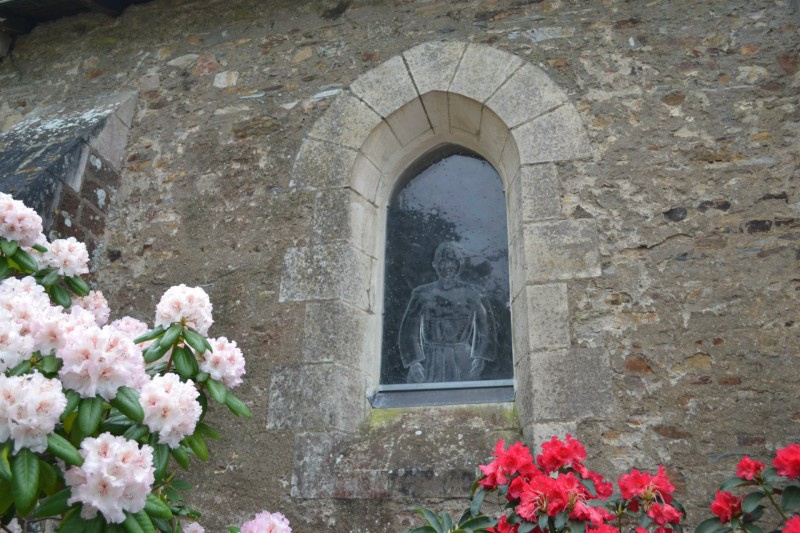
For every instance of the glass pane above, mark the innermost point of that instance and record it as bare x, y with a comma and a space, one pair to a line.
446, 311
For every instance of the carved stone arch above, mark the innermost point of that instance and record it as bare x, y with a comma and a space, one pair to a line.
512, 114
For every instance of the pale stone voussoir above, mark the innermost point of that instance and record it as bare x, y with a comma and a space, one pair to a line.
365, 178
409, 122
387, 87
434, 64
341, 215
528, 93
382, 147
548, 316
555, 136
335, 332
322, 165
560, 250
482, 71
347, 121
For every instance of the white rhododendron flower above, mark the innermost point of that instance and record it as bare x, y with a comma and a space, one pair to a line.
170, 408
26, 318
182, 303
95, 303
30, 406
68, 256
267, 523
115, 477
193, 527
130, 327
225, 363
18, 222
98, 361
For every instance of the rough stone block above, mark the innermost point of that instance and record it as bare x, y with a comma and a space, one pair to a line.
335, 333
326, 272
409, 122
321, 165
342, 215
126, 107
482, 70
436, 107
347, 122
520, 324
465, 113
386, 87
516, 266
365, 178
312, 468
548, 316
535, 194
558, 250
110, 142
528, 93
555, 136
537, 434
434, 64
316, 398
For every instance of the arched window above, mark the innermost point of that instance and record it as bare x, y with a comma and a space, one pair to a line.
446, 313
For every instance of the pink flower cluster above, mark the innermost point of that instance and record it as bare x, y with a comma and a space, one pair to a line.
95, 303
170, 408
267, 523
18, 222
185, 304
115, 477
30, 406
225, 363
68, 256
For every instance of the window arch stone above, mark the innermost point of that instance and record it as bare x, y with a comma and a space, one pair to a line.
513, 115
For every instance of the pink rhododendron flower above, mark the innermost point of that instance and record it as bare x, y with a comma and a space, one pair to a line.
792, 525
726, 506
267, 523
18, 222
749, 469
116, 476
95, 303
188, 304
98, 361
170, 408
558, 454
68, 256
30, 406
225, 363
787, 461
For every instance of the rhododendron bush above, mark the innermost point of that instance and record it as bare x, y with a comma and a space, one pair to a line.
557, 493
96, 416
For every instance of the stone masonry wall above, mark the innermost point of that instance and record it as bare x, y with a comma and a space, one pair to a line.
692, 112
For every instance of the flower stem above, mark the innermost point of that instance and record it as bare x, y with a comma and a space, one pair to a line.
776, 506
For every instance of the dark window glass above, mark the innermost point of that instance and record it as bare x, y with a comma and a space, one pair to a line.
446, 299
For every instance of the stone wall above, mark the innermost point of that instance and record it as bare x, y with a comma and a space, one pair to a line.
691, 113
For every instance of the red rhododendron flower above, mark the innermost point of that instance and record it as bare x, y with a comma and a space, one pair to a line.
749, 469
558, 454
504, 527
792, 525
604, 528
596, 515
664, 514
726, 506
646, 486
787, 461
603, 488
517, 459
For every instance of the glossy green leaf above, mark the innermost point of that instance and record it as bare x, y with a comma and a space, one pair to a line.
432, 519
48, 478
195, 340
752, 528
63, 449
198, 446
8, 248
5, 466
478, 522
53, 505
154, 352
5, 270
181, 456
73, 523
144, 521
22, 368
217, 391
131, 525
90, 413
39, 248
25, 480
710, 525
156, 508
751, 501
447, 522
184, 362
73, 400
136, 432
161, 525
127, 401
150, 335
160, 460
49, 279
236, 406
207, 431
201, 377
477, 501
50, 364
576, 527
732, 483
171, 335
180, 484
525, 527
790, 499
60, 296
421, 529
6, 497
77, 285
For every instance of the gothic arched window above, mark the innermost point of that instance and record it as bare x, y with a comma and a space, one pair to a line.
446, 316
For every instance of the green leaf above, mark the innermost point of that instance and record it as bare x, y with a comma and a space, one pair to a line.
217, 391
154, 352
710, 525
180, 484
770, 475
144, 522
751, 501
207, 431
752, 528
156, 508
447, 522
201, 377
589, 484
63, 449
77, 285
53, 505
150, 335
560, 520
90, 414
478, 522
20, 369
421, 529
95, 525
184, 362
136, 432
73, 523
9, 248
73, 399
732, 483
48, 478
50, 364
160, 460
39, 248
25, 261
477, 501
5, 466
131, 525
49, 279
5, 270
432, 519
25, 480
198, 446
171, 335
576, 527
236, 406
195, 340
543, 520
6, 497
60, 296
127, 401
162, 525
525, 527
790, 499
181, 456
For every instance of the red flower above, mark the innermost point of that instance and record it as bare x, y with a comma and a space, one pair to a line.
603, 488
664, 514
604, 528
646, 486
504, 527
596, 515
787, 461
792, 525
558, 454
726, 506
749, 469
508, 463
